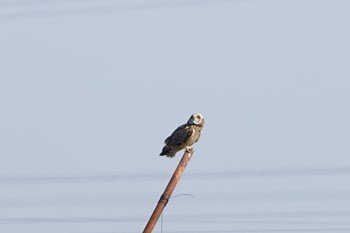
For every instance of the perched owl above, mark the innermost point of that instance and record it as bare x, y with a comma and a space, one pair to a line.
184, 136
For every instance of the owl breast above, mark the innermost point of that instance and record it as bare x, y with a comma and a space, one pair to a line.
194, 138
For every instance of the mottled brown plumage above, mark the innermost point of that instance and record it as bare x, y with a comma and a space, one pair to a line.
184, 136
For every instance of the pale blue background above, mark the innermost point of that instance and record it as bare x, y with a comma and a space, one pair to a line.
92, 88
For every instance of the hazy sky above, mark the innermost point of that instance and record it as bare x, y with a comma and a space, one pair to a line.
92, 88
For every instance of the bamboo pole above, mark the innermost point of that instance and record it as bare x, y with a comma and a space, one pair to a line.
168, 191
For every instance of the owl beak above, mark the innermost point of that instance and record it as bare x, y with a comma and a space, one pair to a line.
195, 120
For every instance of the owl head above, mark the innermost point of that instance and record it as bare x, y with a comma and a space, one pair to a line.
196, 119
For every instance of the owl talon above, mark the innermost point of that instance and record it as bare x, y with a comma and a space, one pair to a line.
189, 149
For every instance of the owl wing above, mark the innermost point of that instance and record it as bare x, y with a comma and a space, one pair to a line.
180, 136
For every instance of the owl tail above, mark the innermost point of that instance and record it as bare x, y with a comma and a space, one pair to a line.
167, 151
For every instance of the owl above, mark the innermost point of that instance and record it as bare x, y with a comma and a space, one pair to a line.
184, 136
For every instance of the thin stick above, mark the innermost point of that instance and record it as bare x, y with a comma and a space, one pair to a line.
168, 191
